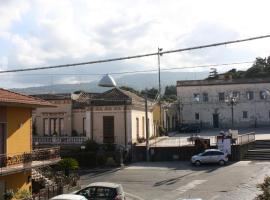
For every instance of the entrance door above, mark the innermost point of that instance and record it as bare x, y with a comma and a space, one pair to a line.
2, 138
2, 189
108, 129
215, 120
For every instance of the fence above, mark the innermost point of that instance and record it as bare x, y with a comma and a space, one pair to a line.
48, 193
66, 140
245, 138
13, 162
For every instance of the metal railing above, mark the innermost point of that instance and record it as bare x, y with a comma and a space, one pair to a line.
56, 140
18, 161
245, 138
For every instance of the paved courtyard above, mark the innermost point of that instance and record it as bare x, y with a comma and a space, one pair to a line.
176, 180
181, 139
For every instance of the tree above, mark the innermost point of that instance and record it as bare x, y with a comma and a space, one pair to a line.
68, 164
264, 187
152, 93
130, 89
213, 74
170, 90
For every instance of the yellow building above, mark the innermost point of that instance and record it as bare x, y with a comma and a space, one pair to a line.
158, 117
17, 157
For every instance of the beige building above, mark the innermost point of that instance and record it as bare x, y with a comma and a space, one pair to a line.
207, 102
115, 116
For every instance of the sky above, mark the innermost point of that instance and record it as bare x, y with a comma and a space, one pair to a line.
37, 33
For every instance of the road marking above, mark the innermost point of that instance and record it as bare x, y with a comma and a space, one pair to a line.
134, 196
215, 197
189, 186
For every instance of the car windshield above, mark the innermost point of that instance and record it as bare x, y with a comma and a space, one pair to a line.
98, 193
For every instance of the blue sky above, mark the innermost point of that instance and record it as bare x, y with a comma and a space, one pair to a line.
40, 33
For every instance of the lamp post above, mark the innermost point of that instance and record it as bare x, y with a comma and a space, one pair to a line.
231, 100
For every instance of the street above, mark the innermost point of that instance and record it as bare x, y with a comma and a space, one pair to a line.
177, 180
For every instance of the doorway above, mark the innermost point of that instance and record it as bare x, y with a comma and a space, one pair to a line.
2, 189
216, 120
2, 138
108, 129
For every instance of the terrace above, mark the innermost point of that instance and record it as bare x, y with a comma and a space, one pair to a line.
13, 163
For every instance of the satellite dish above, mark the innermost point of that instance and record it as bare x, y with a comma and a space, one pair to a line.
107, 81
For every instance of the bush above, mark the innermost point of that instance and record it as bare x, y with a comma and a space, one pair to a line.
8, 195
101, 159
91, 145
110, 162
264, 187
86, 159
23, 194
68, 164
108, 147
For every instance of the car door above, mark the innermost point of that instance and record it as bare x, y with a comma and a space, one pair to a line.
215, 156
206, 157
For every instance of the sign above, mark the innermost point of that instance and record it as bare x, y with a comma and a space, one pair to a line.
224, 145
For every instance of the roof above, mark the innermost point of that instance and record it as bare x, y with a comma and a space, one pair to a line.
12, 98
59, 96
222, 82
117, 96
104, 184
68, 197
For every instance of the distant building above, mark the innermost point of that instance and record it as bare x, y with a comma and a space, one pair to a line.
204, 102
115, 116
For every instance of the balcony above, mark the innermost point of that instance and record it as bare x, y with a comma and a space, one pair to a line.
14, 163
55, 140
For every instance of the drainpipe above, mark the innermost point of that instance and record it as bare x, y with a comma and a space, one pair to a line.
92, 122
125, 120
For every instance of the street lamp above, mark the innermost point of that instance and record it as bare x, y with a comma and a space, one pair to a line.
231, 100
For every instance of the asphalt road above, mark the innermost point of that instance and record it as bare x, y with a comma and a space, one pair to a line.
177, 180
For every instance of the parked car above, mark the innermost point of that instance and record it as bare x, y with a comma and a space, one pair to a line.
210, 156
189, 128
68, 197
103, 191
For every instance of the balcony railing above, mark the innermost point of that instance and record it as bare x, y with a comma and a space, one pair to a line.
10, 163
55, 140
246, 138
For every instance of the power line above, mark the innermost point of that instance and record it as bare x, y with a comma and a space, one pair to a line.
143, 71
136, 56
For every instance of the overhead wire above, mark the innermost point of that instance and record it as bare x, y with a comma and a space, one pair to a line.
135, 56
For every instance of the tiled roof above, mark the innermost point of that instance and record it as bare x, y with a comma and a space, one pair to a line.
8, 97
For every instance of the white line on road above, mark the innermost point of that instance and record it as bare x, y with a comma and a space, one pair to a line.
134, 196
189, 186
215, 197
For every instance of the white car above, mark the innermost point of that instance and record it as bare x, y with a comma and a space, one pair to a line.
103, 191
68, 197
210, 156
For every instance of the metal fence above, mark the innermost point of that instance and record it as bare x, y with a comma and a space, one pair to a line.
48, 193
55, 140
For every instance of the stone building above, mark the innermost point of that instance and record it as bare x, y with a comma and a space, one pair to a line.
207, 102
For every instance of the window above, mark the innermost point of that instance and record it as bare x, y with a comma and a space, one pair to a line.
221, 96
236, 94
53, 126
84, 126
250, 95
137, 127
245, 114
196, 97
61, 126
205, 97
143, 127
263, 95
46, 126
197, 116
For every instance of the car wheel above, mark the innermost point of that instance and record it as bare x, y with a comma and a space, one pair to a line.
197, 163
221, 162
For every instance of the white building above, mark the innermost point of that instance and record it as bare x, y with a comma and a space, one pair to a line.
205, 102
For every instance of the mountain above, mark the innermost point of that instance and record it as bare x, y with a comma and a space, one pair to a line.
137, 81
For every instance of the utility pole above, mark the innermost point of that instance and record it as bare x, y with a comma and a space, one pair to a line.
159, 87
147, 128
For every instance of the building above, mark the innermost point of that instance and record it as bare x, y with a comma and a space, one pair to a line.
208, 102
171, 116
16, 155
118, 116
115, 116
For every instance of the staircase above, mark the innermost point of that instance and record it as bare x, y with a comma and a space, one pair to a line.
37, 176
260, 151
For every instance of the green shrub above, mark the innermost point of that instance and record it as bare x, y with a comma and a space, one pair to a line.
91, 145
23, 194
68, 164
264, 187
101, 159
8, 195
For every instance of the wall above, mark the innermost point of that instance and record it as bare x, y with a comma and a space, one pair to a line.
258, 112
63, 110
77, 120
18, 181
19, 125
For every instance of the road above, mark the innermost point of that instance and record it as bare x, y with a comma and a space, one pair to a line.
177, 180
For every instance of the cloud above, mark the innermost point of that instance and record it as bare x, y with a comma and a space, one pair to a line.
41, 33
